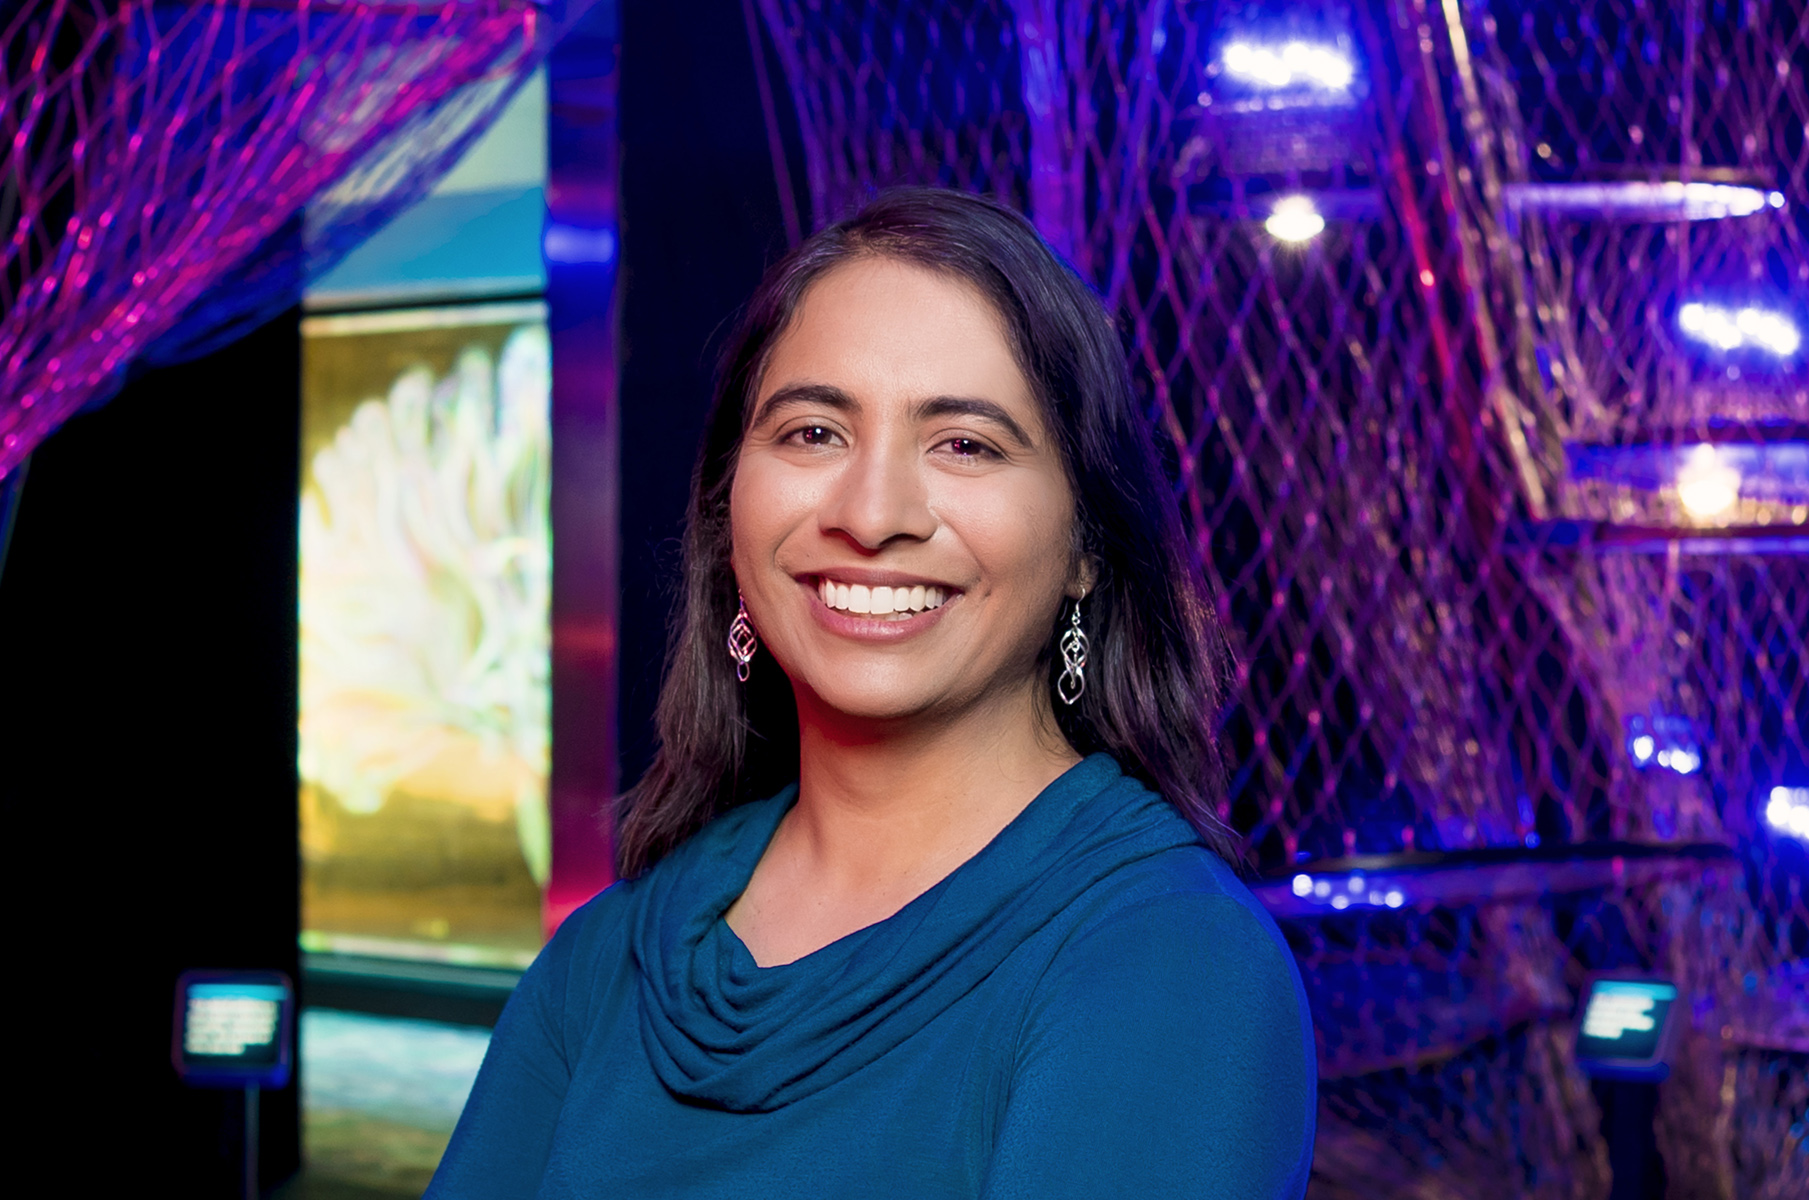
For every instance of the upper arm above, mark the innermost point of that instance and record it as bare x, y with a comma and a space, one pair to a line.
1165, 1053
505, 1133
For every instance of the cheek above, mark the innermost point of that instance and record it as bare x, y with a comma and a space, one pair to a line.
766, 503
1020, 535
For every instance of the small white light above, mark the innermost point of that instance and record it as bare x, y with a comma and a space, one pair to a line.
1341, 902
1301, 63
1664, 757
1776, 199
1706, 485
1727, 329
1322, 888
1394, 898
1303, 886
1642, 748
1684, 761
1294, 219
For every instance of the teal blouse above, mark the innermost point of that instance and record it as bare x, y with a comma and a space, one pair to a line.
1092, 1006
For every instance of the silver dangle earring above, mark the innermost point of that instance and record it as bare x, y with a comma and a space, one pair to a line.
742, 642
1073, 682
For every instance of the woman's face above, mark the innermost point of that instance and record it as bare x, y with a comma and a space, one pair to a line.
901, 519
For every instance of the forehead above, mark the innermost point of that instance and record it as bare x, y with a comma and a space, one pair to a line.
883, 329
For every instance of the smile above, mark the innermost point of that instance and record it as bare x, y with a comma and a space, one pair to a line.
893, 603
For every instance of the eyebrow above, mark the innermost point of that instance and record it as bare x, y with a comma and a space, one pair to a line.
968, 406
822, 394
829, 396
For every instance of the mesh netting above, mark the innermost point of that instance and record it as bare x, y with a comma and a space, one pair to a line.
159, 157
1504, 481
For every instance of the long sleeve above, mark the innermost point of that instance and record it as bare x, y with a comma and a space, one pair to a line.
1165, 1054
500, 1148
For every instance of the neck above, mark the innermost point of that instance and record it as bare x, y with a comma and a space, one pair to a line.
902, 802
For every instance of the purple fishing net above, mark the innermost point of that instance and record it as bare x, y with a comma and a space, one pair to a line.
1473, 322
160, 156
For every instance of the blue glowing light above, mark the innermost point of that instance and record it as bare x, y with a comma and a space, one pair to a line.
1293, 64
1787, 811
1353, 891
572, 244
1664, 741
1738, 328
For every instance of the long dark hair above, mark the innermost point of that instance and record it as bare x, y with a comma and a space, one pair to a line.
1154, 671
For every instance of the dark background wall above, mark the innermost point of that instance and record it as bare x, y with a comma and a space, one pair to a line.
700, 222
147, 761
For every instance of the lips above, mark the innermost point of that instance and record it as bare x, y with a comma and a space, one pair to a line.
897, 603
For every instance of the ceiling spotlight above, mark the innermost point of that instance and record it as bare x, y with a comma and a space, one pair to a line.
1732, 329
1705, 484
1292, 64
1294, 219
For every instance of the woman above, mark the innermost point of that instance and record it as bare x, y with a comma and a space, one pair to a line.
987, 943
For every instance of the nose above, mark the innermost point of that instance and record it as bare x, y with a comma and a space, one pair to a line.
880, 496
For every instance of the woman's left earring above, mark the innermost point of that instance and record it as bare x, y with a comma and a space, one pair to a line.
1073, 682
742, 642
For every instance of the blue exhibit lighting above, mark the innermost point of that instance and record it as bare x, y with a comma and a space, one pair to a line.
575, 245
1663, 741
1739, 328
1355, 890
1787, 811
1627, 1028
1293, 64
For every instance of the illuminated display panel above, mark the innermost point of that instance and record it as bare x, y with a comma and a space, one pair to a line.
232, 1028
1626, 1028
425, 582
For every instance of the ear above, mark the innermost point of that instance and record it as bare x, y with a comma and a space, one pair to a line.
1083, 578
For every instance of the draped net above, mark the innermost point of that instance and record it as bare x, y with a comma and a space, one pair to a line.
159, 157
1445, 465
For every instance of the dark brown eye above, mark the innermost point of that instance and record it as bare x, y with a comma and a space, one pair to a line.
814, 435
968, 448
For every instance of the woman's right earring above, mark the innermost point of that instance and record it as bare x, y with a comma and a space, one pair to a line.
1073, 682
742, 642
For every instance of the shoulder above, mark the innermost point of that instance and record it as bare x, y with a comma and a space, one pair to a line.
590, 938
1183, 911
1175, 1003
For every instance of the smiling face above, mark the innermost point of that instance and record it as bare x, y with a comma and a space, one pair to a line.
902, 523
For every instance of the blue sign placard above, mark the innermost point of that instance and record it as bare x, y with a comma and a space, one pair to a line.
1627, 1029
233, 1028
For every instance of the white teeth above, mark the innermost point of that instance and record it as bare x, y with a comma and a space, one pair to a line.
897, 603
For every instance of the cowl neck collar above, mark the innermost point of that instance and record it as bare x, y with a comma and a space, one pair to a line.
721, 1031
